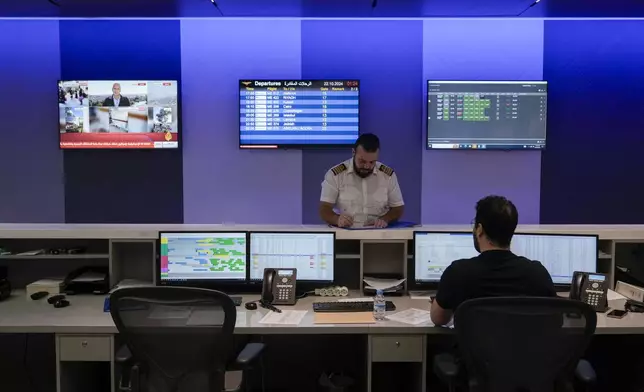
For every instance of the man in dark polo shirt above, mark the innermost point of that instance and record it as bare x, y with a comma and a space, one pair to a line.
496, 271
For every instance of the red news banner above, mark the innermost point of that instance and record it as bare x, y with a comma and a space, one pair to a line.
115, 140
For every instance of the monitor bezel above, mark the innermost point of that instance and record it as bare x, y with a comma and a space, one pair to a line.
179, 121
228, 284
309, 284
417, 285
320, 146
426, 119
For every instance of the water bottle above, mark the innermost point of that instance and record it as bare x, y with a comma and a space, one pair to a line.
379, 305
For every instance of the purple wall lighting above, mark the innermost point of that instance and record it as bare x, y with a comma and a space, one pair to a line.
480, 49
31, 164
221, 182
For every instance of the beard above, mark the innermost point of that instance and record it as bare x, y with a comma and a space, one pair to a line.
362, 173
477, 246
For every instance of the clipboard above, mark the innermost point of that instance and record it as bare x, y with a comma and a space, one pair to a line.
344, 318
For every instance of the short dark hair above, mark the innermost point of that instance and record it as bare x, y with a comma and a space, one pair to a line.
368, 141
499, 218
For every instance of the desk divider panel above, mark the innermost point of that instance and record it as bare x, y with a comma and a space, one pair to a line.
383, 258
133, 259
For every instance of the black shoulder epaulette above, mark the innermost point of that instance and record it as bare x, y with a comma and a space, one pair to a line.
339, 169
386, 169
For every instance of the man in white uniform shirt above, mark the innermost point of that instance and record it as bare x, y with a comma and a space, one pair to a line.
361, 191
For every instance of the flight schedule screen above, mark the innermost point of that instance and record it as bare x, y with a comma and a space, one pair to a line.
298, 113
434, 252
561, 255
486, 115
311, 253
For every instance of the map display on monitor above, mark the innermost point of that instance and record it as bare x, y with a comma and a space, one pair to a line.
203, 256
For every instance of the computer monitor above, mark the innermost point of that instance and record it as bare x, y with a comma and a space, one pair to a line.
486, 115
298, 113
118, 114
435, 251
312, 253
561, 254
202, 258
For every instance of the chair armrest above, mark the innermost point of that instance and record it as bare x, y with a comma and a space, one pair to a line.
130, 372
447, 367
123, 355
248, 355
585, 373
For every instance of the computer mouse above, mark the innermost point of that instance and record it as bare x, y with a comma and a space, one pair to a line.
55, 298
251, 306
61, 303
39, 295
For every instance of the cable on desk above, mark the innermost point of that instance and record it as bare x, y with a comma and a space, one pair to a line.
304, 295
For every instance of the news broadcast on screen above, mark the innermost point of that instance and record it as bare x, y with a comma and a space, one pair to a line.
115, 114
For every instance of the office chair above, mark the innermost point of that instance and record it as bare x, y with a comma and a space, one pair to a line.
177, 339
519, 344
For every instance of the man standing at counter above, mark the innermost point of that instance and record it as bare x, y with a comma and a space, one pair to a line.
361, 191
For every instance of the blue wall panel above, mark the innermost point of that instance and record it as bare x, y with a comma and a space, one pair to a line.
31, 164
221, 182
480, 49
387, 58
593, 168
113, 186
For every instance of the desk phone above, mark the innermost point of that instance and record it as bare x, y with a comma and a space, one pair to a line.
590, 288
279, 286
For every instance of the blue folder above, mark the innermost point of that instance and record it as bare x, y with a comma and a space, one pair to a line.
393, 225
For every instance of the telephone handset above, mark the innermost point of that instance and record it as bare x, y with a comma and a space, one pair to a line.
278, 287
590, 288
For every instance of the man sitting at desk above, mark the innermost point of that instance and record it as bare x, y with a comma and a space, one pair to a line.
496, 271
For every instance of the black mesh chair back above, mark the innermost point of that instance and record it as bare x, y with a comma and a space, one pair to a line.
181, 337
522, 344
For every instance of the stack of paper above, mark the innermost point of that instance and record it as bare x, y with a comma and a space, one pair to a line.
386, 285
411, 316
286, 317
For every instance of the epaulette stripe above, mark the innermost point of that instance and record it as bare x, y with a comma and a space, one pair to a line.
339, 169
387, 170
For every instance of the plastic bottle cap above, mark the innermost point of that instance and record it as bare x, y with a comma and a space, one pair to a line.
379, 292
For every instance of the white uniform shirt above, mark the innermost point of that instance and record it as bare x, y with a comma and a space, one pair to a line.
361, 198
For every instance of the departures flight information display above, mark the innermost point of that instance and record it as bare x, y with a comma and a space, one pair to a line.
486, 114
298, 113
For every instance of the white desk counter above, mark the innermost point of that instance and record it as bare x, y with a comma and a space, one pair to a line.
86, 316
151, 231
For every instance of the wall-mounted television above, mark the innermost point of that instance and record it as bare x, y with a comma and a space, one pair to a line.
298, 113
486, 115
118, 114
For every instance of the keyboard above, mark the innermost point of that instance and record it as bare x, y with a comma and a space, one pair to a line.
357, 306
237, 300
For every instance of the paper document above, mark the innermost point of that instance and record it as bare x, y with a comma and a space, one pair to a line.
383, 284
31, 253
411, 316
287, 317
613, 295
